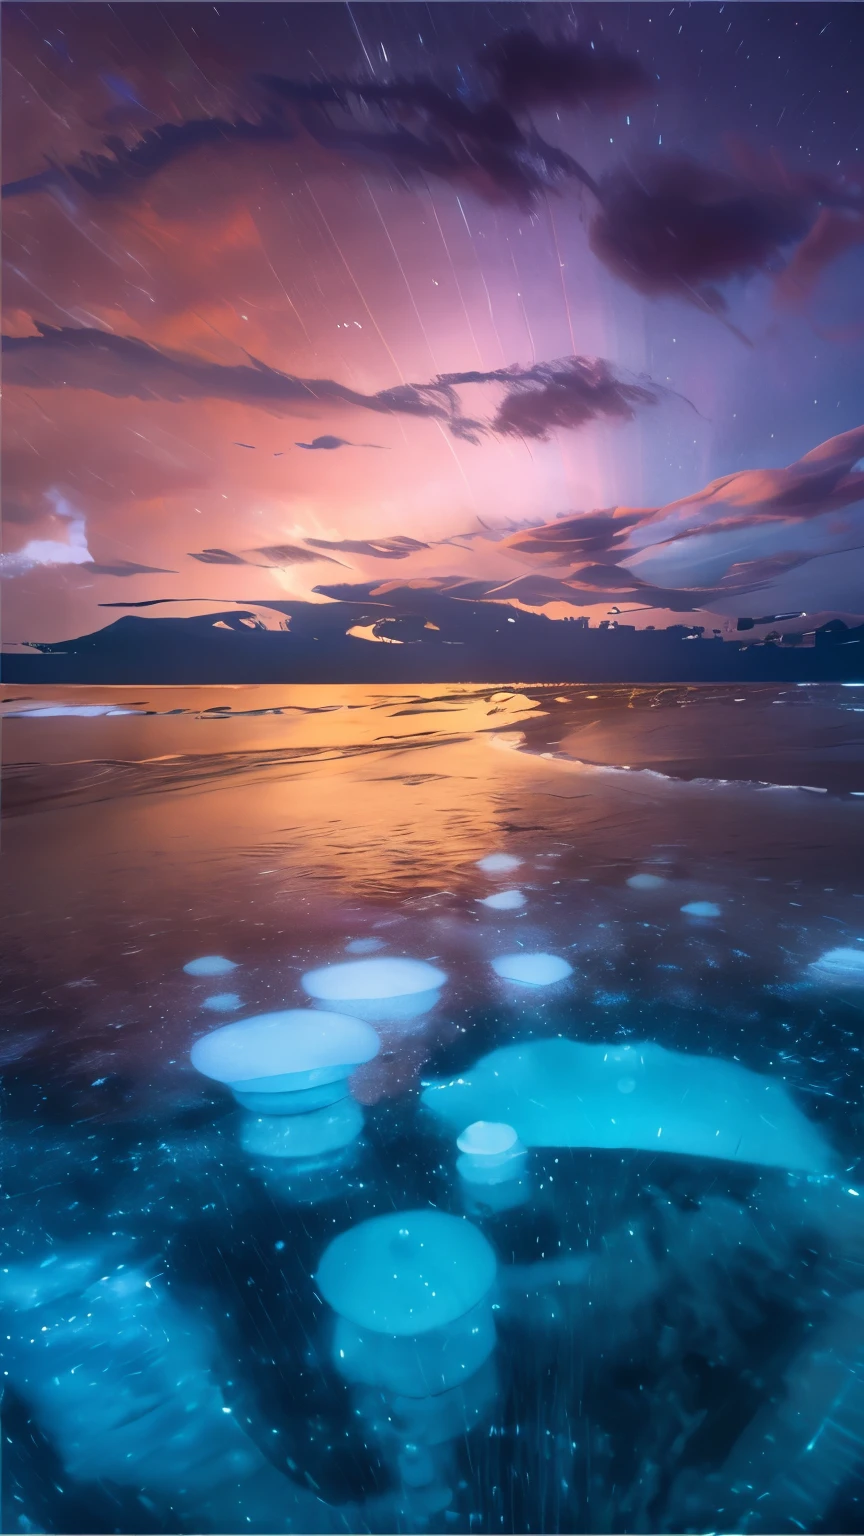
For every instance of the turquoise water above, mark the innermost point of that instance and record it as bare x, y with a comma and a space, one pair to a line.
647, 1302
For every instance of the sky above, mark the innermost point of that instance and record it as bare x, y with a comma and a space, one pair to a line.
222, 340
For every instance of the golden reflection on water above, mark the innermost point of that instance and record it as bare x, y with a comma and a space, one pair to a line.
222, 820
362, 794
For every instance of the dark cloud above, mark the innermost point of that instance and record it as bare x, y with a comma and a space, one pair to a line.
327, 442
666, 226
425, 130
397, 548
274, 555
569, 539
530, 72
673, 226
566, 393
293, 554
596, 584
824, 480
218, 557
121, 168
490, 533
156, 602
582, 590
123, 568
428, 132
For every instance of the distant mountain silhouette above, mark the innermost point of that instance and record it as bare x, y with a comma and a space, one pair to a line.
434, 638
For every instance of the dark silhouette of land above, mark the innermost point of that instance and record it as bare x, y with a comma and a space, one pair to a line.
419, 635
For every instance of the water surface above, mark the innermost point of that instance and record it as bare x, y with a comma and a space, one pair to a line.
660, 1318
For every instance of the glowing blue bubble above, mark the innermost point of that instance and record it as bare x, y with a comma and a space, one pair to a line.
426, 1364
843, 967
302, 1136
702, 909
372, 980
532, 970
412, 1293
498, 863
287, 1062
492, 1154
222, 1002
364, 946
646, 882
487, 1138
407, 1272
564, 1093
210, 965
504, 901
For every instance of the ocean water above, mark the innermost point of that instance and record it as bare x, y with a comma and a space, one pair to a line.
673, 1337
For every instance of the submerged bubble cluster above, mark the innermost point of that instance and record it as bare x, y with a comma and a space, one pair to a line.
303, 1294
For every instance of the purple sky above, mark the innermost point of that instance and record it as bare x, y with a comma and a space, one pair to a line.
371, 245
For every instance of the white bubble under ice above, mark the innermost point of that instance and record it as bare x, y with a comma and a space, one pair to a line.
498, 863
294, 1049
532, 970
364, 946
487, 1138
503, 901
491, 1154
222, 1002
843, 967
702, 909
646, 882
210, 965
371, 980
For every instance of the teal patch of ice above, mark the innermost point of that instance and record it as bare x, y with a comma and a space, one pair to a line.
563, 1093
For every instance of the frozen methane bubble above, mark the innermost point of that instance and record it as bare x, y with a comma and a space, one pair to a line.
487, 1138
364, 946
701, 909
499, 863
222, 1002
286, 1062
385, 989
503, 901
412, 1293
532, 970
646, 882
407, 1272
312, 1135
368, 980
564, 1093
210, 965
491, 1153
843, 967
